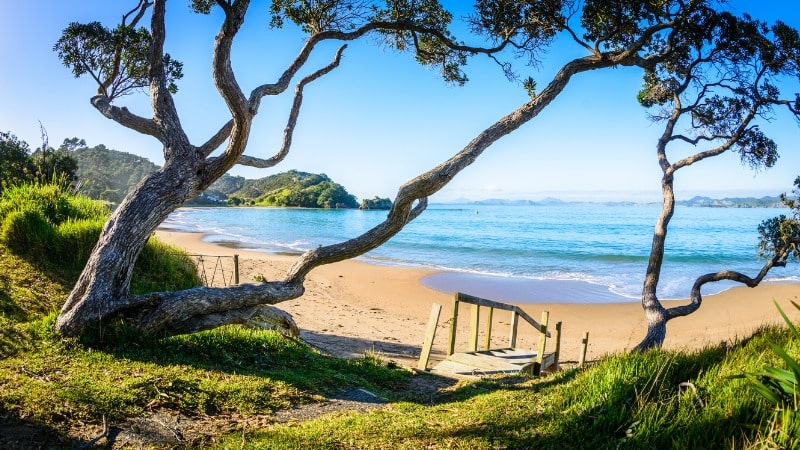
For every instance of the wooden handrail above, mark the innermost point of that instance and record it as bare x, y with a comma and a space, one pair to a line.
471, 299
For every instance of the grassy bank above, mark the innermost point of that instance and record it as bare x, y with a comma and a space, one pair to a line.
242, 388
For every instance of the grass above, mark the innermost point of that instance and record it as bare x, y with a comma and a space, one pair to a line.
67, 388
655, 399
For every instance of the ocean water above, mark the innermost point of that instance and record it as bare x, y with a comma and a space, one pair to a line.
565, 253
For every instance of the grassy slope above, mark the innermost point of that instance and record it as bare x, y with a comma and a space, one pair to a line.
62, 385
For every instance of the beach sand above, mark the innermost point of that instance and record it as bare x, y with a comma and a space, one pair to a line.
353, 307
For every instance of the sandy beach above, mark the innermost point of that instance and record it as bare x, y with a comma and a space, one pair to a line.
354, 307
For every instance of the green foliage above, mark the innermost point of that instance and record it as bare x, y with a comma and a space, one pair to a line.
54, 165
163, 267
52, 227
296, 189
107, 174
376, 203
116, 59
15, 163
781, 388
781, 234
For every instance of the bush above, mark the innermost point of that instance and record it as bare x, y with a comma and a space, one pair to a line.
163, 267
26, 232
48, 225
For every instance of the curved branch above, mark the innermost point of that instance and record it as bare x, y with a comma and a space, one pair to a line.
165, 114
126, 118
160, 309
223, 75
430, 182
779, 260
217, 140
283, 82
288, 132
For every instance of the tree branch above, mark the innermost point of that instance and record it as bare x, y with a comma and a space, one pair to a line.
778, 260
159, 310
165, 114
126, 118
217, 140
224, 77
288, 132
430, 182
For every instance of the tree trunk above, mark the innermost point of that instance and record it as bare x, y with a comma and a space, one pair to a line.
653, 310
103, 287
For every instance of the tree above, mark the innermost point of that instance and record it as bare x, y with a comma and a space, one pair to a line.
15, 163
611, 33
718, 87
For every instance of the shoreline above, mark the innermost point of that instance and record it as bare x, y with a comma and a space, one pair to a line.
352, 307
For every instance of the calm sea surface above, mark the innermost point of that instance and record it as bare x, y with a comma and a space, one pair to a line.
519, 253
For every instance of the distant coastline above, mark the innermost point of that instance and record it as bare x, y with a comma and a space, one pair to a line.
694, 202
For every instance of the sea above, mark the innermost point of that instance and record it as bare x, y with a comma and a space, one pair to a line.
570, 253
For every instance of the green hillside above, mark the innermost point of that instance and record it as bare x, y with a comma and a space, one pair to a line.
108, 174
292, 188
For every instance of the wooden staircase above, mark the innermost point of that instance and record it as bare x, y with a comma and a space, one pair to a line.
477, 363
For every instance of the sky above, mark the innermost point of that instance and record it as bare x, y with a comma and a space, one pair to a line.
380, 119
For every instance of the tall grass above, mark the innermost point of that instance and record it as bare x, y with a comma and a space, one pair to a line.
779, 387
53, 227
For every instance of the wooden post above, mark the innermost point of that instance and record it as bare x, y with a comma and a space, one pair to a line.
584, 346
512, 338
430, 334
558, 346
537, 367
473, 328
236, 269
489, 329
451, 342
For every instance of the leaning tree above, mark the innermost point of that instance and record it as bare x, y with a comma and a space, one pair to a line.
712, 95
610, 33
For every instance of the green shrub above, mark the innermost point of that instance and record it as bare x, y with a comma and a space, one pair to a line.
163, 267
26, 232
76, 239
50, 226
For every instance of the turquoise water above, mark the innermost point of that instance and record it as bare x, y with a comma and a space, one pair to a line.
571, 253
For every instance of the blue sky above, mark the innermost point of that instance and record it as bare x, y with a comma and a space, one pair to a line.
380, 119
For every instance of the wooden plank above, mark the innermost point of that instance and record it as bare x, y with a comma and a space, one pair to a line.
471, 299
584, 346
542, 342
476, 364
473, 327
488, 344
487, 362
512, 338
451, 342
430, 334
558, 342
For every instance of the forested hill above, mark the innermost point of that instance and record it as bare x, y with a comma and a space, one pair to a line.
108, 174
292, 188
